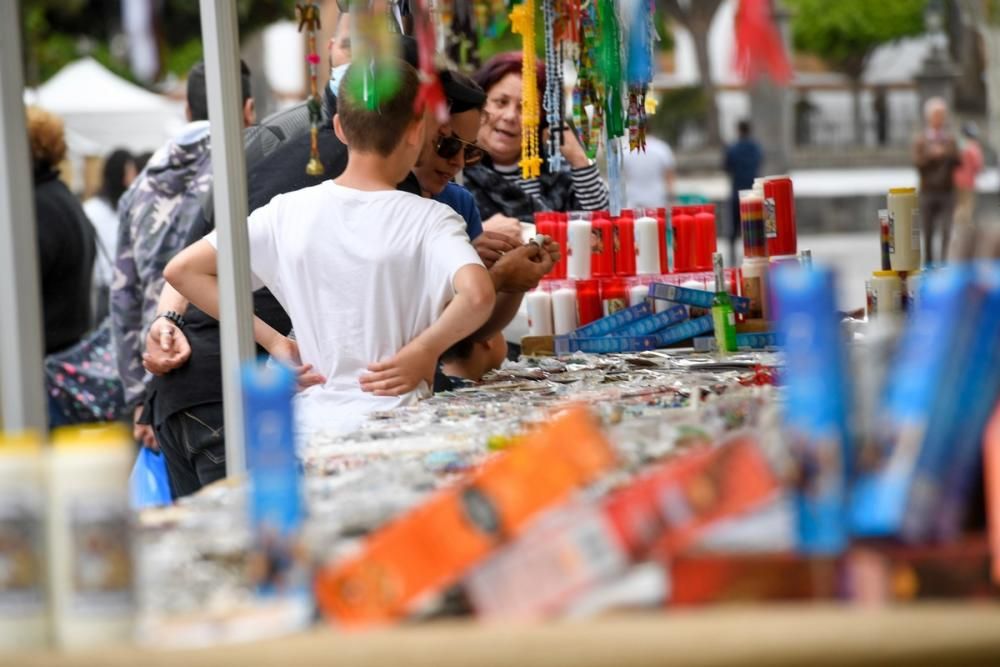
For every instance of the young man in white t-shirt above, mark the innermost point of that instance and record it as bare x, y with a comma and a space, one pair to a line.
378, 283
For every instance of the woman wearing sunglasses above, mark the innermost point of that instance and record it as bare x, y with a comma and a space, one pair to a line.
496, 180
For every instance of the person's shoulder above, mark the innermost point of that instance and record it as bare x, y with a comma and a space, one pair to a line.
455, 193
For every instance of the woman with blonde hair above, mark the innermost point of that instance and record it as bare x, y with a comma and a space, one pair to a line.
66, 244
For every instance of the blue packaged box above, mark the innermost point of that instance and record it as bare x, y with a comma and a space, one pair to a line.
815, 393
603, 344
615, 321
684, 331
275, 490
943, 484
695, 297
654, 323
918, 403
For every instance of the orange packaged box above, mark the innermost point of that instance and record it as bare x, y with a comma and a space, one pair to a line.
436, 543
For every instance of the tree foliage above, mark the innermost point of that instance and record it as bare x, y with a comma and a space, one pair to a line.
57, 32
844, 33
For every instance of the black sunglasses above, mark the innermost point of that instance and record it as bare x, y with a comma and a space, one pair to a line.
448, 147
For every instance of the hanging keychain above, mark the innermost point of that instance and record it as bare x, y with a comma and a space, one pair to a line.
522, 20
309, 21
553, 88
431, 95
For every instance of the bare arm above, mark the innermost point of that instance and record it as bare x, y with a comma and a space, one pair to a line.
467, 312
167, 348
194, 274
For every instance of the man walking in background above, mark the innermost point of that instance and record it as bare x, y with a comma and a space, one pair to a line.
935, 155
742, 162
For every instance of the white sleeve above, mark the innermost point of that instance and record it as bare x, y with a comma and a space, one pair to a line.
447, 249
263, 250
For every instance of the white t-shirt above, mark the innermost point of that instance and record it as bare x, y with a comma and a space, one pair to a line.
645, 174
360, 274
105, 221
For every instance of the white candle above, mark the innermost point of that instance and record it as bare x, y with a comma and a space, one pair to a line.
578, 250
564, 310
637, 294
647, 246
539, 313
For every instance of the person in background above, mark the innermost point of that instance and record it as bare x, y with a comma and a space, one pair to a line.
446, 152
742, 162
503, 196
650, 175
102, 209
378, 283
156, 213
141, 160
66, 239
965, 176
935, 155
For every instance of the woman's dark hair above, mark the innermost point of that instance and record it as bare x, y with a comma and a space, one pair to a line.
503, 64
463, 94
113, 184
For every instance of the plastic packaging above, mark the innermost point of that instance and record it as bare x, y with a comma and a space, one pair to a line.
23, 610
698, 298
653, 323
149, 485
904, 229
539, 305
90, 566
816, 397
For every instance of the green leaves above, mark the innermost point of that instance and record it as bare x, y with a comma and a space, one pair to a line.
845, 32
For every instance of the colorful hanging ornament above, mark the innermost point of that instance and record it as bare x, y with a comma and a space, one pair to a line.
309, 21
610, 66
374, 51
639, 68
553, 88
759, 46
522, 19
431, 95
588, 93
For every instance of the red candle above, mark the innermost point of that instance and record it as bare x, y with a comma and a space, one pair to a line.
705, 237
684, 239
624, 243
614, 296
779, 217
661, 223
602, 262
588, 300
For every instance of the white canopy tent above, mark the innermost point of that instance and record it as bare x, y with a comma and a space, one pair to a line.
103, 111
22, 398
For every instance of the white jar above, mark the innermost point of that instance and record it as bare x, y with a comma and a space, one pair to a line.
539, 304
904, 229
647, 246
23, 609
90, 564
578, 249
755, 272
564, 315
886, 294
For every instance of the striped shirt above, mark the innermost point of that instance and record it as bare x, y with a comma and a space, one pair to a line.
588, 187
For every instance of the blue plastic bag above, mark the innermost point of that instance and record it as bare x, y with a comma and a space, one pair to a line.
149, 485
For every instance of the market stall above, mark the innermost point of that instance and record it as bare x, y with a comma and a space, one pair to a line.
677, 434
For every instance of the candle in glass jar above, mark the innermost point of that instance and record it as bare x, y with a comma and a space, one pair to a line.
539, 304
647, 246
564, 310
578, 249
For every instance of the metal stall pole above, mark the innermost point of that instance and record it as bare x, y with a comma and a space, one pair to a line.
220, 38
22, 390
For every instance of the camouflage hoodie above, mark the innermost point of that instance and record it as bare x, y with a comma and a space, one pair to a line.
155, 215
